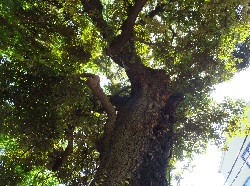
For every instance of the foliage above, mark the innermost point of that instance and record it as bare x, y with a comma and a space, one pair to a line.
44, 43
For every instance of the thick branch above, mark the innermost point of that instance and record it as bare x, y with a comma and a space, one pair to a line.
159, 8
118, 100
124, 89
127, 27
69, 149
94, 10
93, 82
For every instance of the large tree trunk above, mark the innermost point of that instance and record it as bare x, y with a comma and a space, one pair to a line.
140, 145
137, 146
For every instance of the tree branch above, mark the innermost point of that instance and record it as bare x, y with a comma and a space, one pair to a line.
149, 43
127, 27
158, 9
118, 100
69, 149
94, 10
93, 82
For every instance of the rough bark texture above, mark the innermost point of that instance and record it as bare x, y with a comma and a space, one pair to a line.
140, 144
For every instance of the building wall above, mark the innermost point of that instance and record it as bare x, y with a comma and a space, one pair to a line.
241, 170
228, 159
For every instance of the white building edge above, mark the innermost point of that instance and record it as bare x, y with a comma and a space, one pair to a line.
235, 163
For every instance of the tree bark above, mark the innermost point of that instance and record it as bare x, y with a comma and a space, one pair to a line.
141, 142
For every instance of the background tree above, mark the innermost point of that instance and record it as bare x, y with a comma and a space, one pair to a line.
158, 62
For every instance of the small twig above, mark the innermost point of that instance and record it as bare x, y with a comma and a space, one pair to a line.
173, 32
149, 43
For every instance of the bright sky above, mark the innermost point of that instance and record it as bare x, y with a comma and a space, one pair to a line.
238, 87
206, 171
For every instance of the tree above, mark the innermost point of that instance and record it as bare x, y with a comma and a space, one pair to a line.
158, 62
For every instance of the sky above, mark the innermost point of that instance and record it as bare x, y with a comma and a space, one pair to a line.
238, 87
206, 171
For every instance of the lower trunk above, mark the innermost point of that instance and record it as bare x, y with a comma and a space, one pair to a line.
140, 145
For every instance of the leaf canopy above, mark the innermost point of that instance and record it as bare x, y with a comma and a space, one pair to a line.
43, 43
